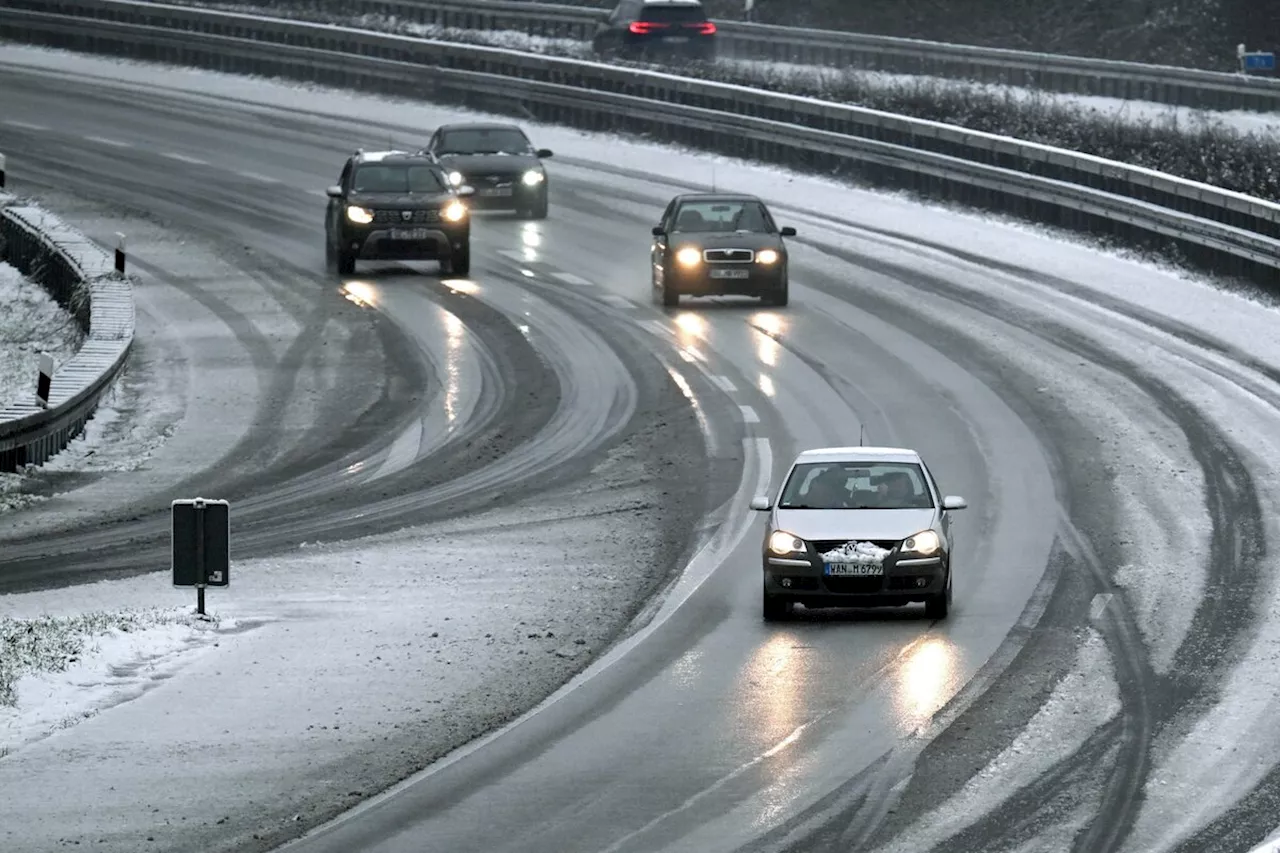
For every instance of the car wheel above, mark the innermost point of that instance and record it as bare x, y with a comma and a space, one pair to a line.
458, 263
539, 209
938, 606
670, 296
773, 608
346, 263
779, 295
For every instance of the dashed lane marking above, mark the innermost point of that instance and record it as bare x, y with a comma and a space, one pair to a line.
570, 278
183, 158
25, 125
725, 383
114, 143
749, 414
261, 179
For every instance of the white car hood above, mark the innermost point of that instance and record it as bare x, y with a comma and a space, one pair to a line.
860, 524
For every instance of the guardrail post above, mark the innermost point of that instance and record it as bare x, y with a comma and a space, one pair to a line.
44, 382
120, 253
1, 171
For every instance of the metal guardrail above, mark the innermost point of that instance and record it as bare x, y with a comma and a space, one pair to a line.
83, 279
764, 42
1038, 182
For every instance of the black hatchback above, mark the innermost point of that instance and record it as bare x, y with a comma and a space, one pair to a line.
657, 28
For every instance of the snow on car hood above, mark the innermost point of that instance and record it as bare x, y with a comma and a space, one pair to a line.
854, 523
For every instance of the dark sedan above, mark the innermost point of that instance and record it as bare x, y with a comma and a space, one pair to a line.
710, 244
499, 161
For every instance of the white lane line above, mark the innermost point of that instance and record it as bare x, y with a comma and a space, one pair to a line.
513, 254
114, 143
183, 158
749, 414
615, 299
657, 327
403, 452
1099, 604
25, 125
261, 179
725, 383
570, 278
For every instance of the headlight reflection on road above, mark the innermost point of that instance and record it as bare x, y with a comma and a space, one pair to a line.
361, 293
926, 681
766, 386
461, 285
772, 690
531, 238
768, 326
454, 330
690, 328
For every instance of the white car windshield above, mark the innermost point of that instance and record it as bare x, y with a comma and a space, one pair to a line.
856, 485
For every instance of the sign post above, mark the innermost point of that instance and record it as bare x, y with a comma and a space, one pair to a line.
201, 546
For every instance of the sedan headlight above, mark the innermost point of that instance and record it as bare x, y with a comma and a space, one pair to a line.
533, 177
766, 256
454, 211
782, 542
456, 178
359, 215
689, 257
925, 542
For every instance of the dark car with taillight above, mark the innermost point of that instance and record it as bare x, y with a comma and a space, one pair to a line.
496, 160
858, 527
397, 206
719, 244
657, 29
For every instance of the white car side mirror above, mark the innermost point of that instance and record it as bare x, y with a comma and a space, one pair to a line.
954, 502
761, 503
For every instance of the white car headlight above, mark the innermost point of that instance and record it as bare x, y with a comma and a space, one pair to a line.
782, 542
456, 178
766, 256
454, 211
533, 177
689, 257
359, 214
925, 542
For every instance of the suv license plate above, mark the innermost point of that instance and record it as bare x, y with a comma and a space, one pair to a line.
729, 273
409, 233
853, 570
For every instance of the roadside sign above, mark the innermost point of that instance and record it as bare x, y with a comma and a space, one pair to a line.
201, 545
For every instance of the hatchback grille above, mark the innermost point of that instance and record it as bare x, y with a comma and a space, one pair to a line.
822, 546
728, 256
864, 586
392, 217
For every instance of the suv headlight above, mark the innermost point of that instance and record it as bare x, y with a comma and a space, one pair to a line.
926, 542
533, 177
454, 211
359, 215
782, 542
456, 178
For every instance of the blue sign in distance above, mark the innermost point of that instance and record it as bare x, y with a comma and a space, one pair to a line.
1259, 62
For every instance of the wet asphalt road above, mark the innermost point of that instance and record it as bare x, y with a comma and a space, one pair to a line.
713, 731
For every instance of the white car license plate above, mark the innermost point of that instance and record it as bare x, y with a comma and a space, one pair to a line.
853, 570
409, 233
496, 191
729, 273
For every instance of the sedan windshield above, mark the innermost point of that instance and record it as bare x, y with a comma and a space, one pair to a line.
397, 178
499, 140
724, 216
856, 485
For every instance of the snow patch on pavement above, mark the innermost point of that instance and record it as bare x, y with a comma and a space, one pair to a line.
1087, 698
31, 322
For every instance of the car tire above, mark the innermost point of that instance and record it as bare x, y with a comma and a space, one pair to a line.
773, 608
779, 295
939, 605
346, 263
458, 263
670, 296
539, 209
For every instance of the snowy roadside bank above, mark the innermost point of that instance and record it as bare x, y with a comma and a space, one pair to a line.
30, 322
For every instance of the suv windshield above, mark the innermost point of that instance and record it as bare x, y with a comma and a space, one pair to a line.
397, 178
728, 216
483, 141
673, 13
856, 485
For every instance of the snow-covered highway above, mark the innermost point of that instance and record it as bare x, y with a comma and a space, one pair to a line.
1106, 681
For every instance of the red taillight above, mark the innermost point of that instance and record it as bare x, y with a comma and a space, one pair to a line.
706, 28
643, 28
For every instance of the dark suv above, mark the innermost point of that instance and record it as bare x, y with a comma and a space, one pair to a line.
656, 28
397, 206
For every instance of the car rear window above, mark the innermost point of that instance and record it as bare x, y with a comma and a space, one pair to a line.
671, 13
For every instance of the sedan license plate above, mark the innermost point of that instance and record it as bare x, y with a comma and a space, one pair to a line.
496, 191
853, 570
677, 39
729, 273
409, 233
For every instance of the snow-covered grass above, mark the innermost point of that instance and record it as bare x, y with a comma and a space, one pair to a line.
1082, 702
31, 322
1236, 151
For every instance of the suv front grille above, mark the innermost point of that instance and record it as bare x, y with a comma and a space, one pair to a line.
728, 256
822, 546
396, 217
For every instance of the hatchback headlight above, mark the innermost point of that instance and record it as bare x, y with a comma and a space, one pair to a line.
925, 542
454, 211
456, 178
782, 542
533, 177
359, 215
689, 257
766, 256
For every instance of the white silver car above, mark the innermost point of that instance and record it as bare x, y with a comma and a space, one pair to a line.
858, 527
